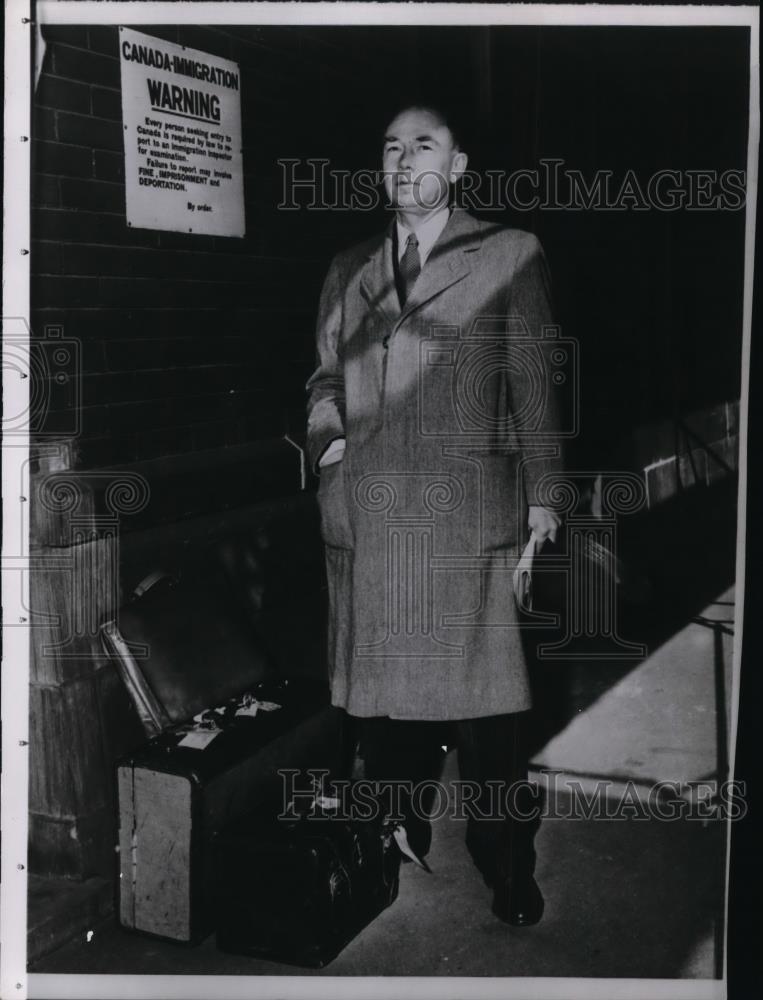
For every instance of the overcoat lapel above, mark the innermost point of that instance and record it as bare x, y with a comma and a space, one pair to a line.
448, 263
377, 280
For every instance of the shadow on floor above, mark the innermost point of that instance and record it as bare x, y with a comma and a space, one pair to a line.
678, 557
623, 899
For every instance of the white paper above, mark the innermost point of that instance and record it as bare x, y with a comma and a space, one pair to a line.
199, 739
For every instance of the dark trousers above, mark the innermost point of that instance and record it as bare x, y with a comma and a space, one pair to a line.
490, 749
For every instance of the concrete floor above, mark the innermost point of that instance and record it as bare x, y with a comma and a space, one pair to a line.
624, 898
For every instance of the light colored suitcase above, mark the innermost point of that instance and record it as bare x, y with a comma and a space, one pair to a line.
182, 651
173, 802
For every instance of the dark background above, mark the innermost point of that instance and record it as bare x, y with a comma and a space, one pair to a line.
195, 342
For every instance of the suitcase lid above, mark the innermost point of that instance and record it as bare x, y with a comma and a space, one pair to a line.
181, 649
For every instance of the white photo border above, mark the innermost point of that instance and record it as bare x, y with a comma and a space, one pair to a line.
22, 20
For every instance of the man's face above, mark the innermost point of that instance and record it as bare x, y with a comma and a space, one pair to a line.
420, 161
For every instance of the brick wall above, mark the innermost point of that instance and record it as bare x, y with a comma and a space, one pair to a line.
192, 354
192, 343
188, 342
693, 451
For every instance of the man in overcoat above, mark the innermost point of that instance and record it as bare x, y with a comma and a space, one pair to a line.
431, 423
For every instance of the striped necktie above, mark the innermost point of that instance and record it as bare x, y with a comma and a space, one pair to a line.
409, 268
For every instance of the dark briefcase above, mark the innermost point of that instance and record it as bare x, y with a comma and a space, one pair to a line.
222, 727
298, 890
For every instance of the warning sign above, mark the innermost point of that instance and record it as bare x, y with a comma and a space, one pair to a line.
181, 111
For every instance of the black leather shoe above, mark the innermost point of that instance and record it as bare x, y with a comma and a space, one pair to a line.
519, 903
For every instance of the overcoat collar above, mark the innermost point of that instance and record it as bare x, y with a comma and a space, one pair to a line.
447, 264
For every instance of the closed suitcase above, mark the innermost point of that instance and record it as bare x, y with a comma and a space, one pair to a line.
298, 890
181, 650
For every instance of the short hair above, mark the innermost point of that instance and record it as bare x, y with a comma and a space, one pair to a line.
449, 116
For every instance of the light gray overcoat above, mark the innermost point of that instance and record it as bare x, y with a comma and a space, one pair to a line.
450, 416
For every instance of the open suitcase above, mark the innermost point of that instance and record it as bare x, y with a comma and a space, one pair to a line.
222, 727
